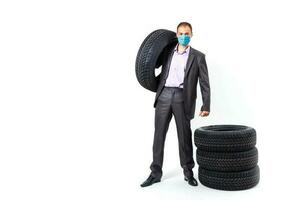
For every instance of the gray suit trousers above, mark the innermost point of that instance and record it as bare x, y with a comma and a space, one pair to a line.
170, 102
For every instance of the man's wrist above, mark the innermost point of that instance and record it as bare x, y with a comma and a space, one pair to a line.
203, 108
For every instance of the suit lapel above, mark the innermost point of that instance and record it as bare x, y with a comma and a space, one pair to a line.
189, 61
169, 63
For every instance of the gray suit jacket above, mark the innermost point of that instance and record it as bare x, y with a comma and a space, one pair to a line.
196, 68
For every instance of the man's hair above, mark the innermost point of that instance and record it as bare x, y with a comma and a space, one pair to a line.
185, 24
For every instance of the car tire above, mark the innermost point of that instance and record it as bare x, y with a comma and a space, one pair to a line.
227, 161
151, 56
225, 138
241, 180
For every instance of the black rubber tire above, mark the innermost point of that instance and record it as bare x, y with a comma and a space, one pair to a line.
225, 138
150, 56
227, 161
229, 180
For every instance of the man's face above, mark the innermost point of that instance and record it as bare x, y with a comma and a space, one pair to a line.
184, 30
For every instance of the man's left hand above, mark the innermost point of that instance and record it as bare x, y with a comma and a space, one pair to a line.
204, 113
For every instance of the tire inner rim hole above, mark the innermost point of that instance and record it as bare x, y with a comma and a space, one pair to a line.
157, 71
229, 128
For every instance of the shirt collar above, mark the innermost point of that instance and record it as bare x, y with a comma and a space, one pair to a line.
187, 49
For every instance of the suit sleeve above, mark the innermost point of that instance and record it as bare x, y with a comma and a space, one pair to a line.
204, 84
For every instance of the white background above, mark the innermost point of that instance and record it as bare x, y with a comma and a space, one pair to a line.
76, 124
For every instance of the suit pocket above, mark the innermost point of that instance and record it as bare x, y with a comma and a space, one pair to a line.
162, 96
178, 97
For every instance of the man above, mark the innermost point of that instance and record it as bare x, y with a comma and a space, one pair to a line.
176, 94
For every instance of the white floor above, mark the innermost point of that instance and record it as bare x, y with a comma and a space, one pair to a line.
76, 124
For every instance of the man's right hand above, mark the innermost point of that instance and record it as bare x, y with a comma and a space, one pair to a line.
204, 113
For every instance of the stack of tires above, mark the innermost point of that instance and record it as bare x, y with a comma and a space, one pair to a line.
227, 157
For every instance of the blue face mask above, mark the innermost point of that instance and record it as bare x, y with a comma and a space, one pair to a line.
184, 40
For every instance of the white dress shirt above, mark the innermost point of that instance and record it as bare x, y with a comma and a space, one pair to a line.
177, 67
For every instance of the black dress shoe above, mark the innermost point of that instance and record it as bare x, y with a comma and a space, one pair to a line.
150, 180
191, 180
